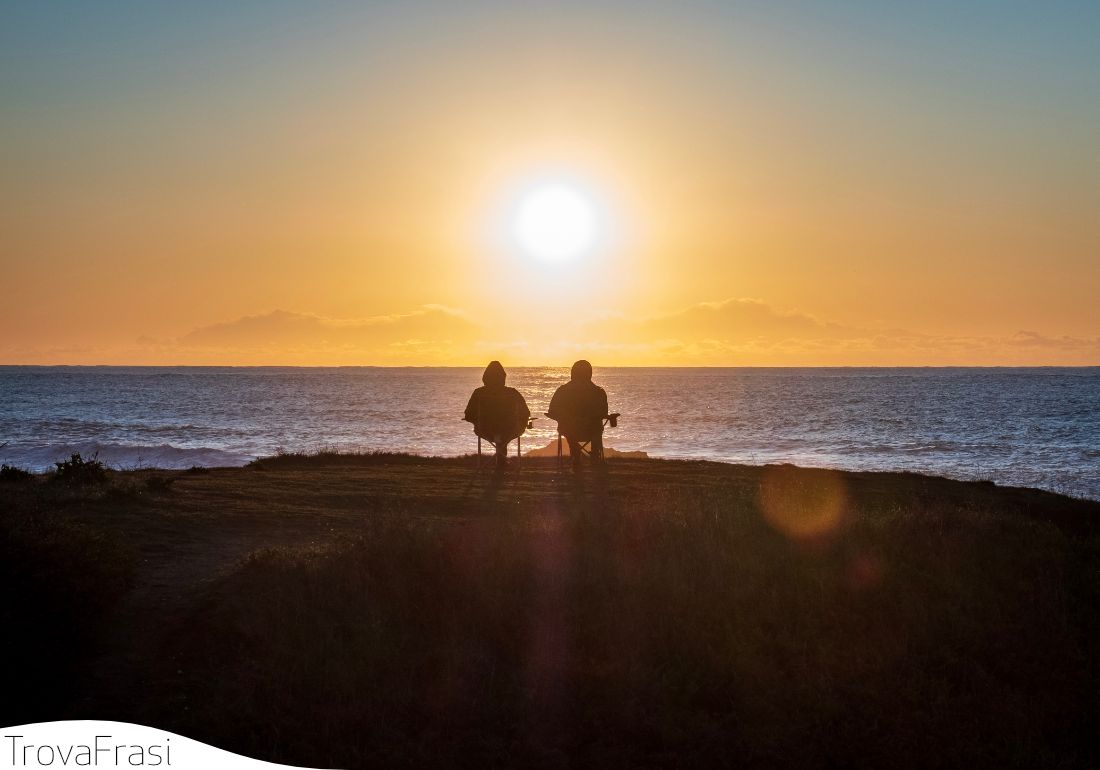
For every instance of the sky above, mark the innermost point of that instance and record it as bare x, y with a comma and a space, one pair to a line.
336, 183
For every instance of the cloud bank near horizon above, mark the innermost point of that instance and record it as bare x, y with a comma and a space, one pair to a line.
750, 332
731, 332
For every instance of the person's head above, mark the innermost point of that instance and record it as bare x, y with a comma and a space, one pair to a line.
581, 371
493, 374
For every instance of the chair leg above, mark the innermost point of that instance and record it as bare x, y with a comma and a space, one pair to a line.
578, 456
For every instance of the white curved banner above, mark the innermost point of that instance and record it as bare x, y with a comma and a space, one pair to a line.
98, 744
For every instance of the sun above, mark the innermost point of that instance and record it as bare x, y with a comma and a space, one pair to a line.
555, 222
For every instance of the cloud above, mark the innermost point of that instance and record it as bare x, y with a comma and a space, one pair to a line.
1027, 339
284, 329
431, 332
751, 332
732, 332
740, 319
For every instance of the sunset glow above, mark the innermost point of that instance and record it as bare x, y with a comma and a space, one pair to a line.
699, 184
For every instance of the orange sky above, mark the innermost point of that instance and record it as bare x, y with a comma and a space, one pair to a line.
326, 187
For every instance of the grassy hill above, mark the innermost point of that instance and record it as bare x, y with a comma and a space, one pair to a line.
344, 610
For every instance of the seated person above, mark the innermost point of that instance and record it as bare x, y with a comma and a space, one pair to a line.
499, 413
580, 406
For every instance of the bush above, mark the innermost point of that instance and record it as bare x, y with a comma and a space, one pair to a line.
11, 473
77, 471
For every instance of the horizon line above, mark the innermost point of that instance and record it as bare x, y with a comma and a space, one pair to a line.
547, 366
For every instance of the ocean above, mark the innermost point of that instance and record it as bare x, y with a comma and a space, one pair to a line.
1036, 427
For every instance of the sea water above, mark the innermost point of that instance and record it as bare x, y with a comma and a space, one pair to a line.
1035, 427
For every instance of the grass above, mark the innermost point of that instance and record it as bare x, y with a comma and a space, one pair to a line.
59, 580
284, 460
352, 611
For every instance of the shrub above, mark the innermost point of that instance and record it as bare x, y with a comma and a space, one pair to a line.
77, 471
11, 473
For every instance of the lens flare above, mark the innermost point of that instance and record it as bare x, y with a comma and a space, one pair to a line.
803, 504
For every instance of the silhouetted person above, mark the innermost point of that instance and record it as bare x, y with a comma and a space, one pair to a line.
499, 413
580, 406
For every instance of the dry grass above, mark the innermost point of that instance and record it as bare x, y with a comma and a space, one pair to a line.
59, 580
410, 612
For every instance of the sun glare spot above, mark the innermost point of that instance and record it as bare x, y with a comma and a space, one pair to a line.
555, 222
805, 505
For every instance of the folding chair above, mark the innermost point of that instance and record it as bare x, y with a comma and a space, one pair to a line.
596, 453
499, 415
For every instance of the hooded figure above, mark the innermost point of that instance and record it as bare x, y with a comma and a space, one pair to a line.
579, 406
499, 413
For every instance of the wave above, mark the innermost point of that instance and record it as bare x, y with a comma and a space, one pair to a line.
121, 456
